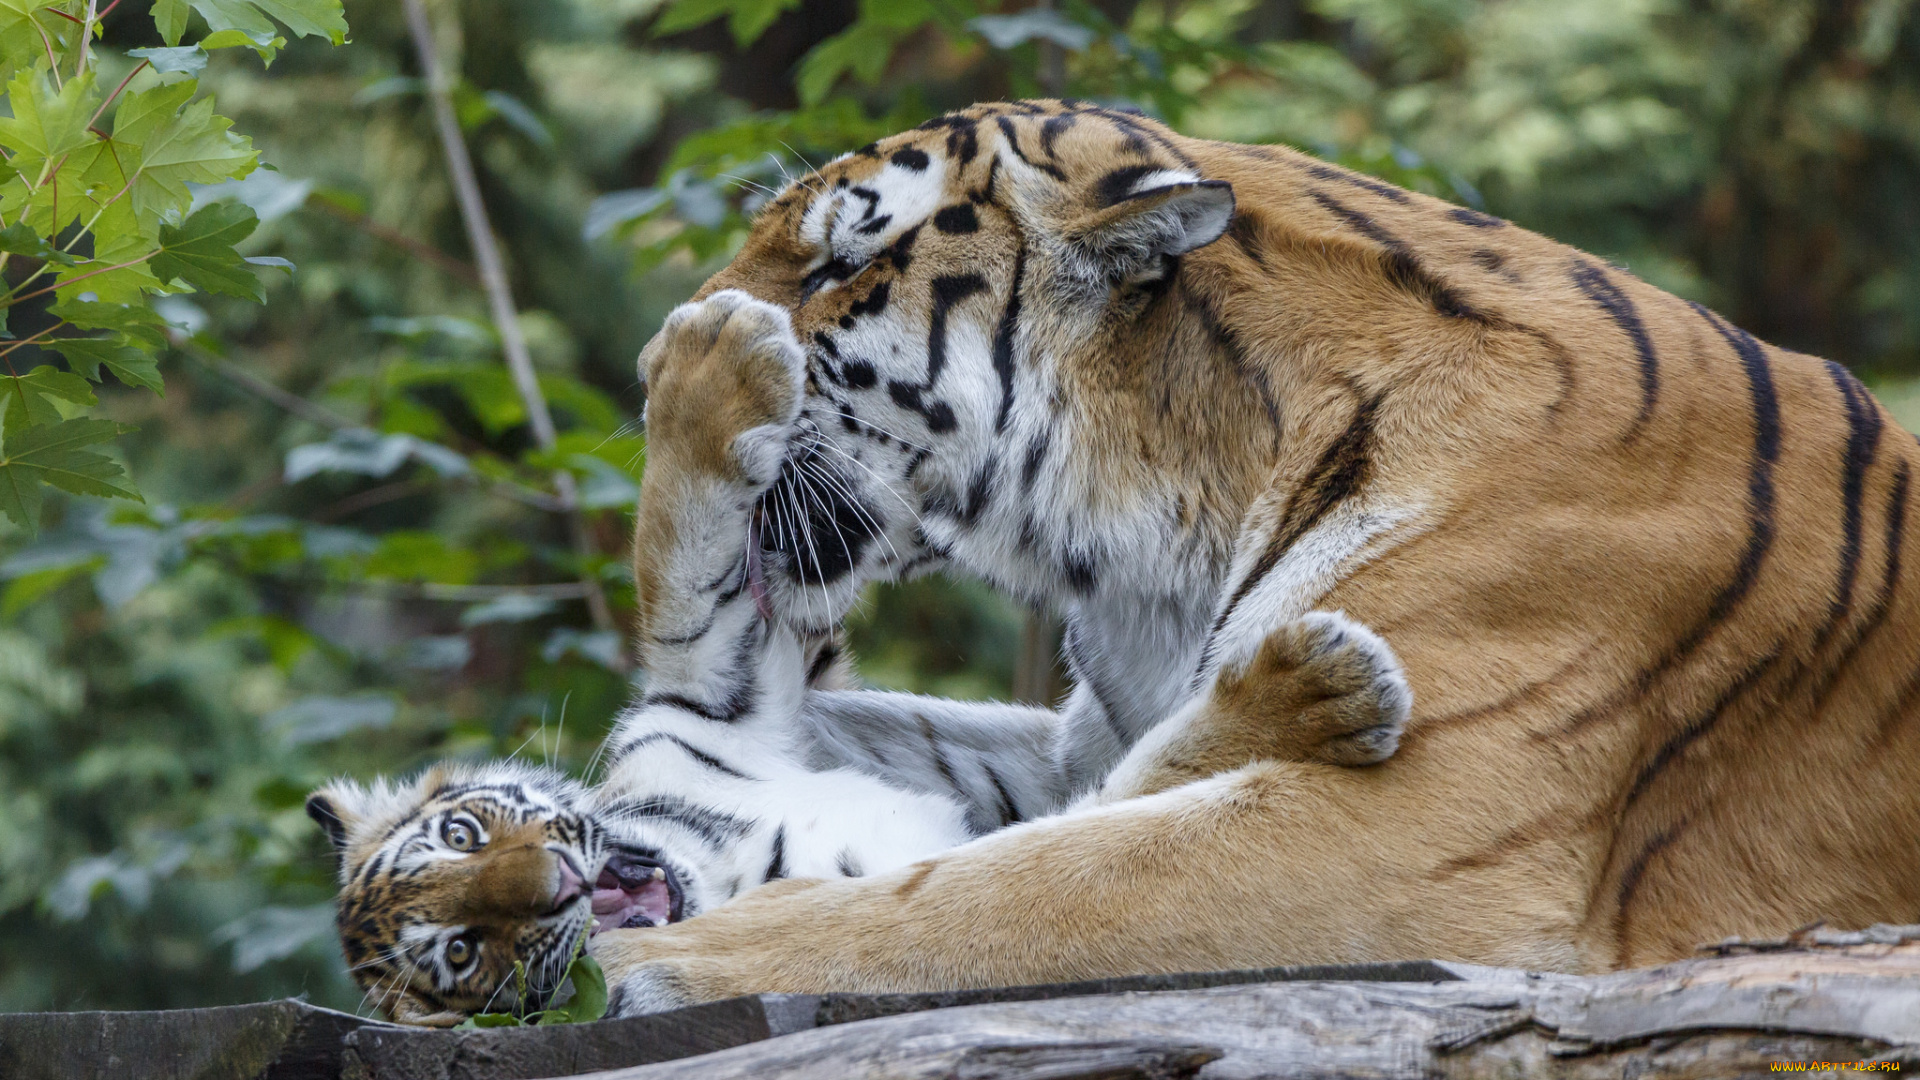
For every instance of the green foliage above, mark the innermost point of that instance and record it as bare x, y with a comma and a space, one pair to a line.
107, 214
582, 997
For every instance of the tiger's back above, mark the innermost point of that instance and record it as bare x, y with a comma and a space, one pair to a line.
1657, 603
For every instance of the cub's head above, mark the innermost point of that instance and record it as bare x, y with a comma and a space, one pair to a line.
963, 293
448, 881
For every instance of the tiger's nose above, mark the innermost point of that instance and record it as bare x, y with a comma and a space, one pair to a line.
570, 887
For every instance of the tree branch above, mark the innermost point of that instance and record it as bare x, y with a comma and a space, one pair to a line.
493, 279
417, 248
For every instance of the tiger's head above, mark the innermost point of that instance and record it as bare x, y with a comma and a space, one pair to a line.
964, 294
450, 880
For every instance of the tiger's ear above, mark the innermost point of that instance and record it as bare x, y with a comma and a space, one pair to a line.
337, 808
1141, 220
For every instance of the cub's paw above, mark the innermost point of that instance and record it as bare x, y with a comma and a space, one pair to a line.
724, 379
1333, 690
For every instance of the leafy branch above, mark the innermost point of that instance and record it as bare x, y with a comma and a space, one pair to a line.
108, 216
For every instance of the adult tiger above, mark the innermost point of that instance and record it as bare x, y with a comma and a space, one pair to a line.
1645, 573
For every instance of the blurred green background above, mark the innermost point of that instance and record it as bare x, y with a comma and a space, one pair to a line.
345, 582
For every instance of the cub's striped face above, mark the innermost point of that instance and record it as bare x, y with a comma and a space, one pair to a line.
938, 280
447, 883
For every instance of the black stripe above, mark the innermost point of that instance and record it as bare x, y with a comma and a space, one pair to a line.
1003, 341
1694, 729
939, 756
1116, 187
1009, 813
1343, 469
777, 864
1013, 141
716, 828
1036, 454
979, 491
1244, 231
828, 654
847, 864
691, 750
1050, 131
1896, 531
1863, 441
900, 252
1402, 268
1475, 218
725, 713
1366, 183
1134, 131
958, 219
984, 196
948, 290
1079, 570
963, 142
1636, 870
1593, 281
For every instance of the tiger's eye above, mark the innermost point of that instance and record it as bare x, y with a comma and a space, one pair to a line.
459, 836
459, 951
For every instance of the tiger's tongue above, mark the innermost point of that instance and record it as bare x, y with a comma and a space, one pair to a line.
646, 905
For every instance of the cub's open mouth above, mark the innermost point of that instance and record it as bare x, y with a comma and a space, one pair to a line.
635, 889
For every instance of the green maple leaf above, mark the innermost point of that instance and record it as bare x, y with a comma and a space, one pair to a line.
137, 321
47, 123
55, 455
27, 396
251, 17
170, 18
119, 240
21, 24
128, 364
20, 239
200, 251
159, 147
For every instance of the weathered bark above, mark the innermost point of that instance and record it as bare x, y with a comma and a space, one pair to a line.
1821, 997
275, 1040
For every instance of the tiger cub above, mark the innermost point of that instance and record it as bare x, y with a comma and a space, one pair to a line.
449, 880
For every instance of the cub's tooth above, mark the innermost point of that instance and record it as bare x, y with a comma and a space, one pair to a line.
659, 873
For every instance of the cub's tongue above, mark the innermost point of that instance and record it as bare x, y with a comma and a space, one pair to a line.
618, 905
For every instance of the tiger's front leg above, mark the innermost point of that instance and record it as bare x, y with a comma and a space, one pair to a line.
723, 390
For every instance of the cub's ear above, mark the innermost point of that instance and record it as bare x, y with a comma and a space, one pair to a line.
1141, 217
337, 808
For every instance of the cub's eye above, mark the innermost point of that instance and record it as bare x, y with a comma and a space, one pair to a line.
461, 950
460, 835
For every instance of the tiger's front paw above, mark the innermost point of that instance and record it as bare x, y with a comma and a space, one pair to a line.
724, 380
1332, 688
1322, 688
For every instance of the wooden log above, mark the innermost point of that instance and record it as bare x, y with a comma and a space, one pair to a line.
275, 1040
1817, 997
